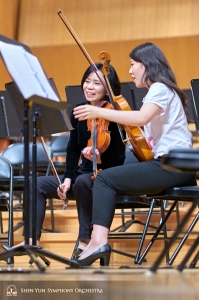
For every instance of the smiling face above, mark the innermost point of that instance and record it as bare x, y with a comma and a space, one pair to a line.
137, 71
93, 88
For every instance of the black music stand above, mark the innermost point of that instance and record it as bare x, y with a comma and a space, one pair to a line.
45, 121
4, 130
33, 84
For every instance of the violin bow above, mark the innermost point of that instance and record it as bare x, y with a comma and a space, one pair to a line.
54, 172
95, 69
81, 46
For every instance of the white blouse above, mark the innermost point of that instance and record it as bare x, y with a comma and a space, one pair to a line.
169, 129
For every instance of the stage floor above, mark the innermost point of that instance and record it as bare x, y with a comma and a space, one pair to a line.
58, 281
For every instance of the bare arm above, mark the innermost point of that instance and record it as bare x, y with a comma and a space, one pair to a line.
132, 118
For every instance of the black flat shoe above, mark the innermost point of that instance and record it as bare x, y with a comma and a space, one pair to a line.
7, 248
103, 253
77, 252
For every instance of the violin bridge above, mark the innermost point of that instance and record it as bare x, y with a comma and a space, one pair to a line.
94, 122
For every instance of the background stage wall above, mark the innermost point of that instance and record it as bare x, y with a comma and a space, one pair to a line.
115, 26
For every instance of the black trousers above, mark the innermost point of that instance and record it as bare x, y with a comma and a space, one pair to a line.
81, 191
143, 178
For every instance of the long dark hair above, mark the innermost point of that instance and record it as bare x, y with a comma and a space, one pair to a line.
157, 68
112, 77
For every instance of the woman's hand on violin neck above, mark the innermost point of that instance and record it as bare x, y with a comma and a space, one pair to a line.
84, 112
88, 154
64, 188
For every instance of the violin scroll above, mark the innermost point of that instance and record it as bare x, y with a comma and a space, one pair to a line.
105, 57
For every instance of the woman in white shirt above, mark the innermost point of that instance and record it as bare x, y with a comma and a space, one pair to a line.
164, 118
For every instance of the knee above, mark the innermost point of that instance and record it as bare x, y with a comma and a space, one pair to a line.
40, 182
42, 186
79, 184
83, 185
101, 178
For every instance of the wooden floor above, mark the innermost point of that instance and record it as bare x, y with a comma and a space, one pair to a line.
121, 280
58, 281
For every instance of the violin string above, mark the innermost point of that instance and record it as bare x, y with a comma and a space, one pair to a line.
102, 57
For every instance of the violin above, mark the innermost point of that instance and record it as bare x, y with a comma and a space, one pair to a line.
135, 135
100, 135
101, 125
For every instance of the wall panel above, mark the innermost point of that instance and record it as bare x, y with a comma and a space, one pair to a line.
106, 20
115, 26
9, 18
66, 64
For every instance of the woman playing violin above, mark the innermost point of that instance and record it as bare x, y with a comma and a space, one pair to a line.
76, 181
163, 116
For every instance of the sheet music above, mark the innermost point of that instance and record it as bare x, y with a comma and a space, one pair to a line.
27, 72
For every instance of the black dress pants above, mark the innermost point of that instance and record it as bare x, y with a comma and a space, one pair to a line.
143, 178
81, 191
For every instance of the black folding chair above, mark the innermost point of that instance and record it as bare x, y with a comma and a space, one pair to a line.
15, 154
6, 175
184, 161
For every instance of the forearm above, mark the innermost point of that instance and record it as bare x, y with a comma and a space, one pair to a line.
132, 118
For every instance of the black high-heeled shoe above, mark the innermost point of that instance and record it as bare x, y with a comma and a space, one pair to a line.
103, 253
77, 252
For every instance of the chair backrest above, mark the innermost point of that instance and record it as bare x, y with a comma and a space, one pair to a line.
15, 153
5, 168
59, 144
190, 106
137, 95
6, 172
75, 95
41, 155
195, 95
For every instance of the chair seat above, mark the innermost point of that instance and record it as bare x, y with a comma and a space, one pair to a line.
184, 193
126, 201
182, 160
18, 182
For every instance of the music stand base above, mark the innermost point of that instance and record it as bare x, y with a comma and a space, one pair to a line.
34, 252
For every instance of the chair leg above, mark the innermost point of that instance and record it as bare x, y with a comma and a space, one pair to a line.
194, 261
125, 225
191, 250
175, 235
52, 229
1, 223
183, 240
177, 215
10, 260
165, 230
52, 215
146, 225
157, 232
144, 232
